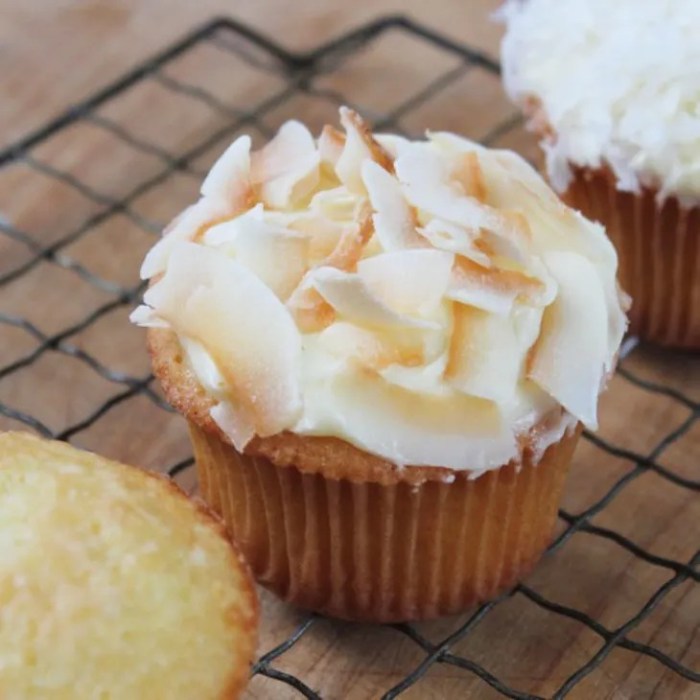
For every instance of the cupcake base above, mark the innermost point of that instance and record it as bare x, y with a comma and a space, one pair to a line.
382, 552
658, 246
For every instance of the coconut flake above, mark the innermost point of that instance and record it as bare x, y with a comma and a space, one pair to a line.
330, 145
394, 220
485, 358
393, 144
494, 289
428, 185
336, 204
451, 237
229, 178
408, 281
185, 227
351, 244
311, 312
373, 349
450, 143
248, 332
569, 358
348, 294
277, 255
287, 168
467, 172
146, 317
360, 145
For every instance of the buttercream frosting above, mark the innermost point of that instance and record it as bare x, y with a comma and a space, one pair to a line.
616, 83
431, 302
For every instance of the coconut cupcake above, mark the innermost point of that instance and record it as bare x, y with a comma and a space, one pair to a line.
384, 350
617, 105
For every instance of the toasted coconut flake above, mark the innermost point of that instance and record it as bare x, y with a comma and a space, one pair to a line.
353, 122
322, 234
287, 168
311, 312
450, 143
229, 178
330, 145
515, 186
226, 232
468, 173
353, 301
408, 281
495, 246
444, 235
186, 227
429, 186
360, 145
429, 380
310, 309
494, 289
519, 224
146, 317
393, 144
348, 251
336, 204
374, 350
524, 178
277, 255
394, 221
247, 331
485, 358
569, 359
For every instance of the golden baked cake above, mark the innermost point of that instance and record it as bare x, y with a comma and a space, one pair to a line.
113, 584
612, 90
384, 350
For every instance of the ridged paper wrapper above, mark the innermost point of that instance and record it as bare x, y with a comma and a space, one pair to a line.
658, 246
362, 550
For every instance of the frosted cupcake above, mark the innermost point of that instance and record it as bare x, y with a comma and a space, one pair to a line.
613, 89
384, 350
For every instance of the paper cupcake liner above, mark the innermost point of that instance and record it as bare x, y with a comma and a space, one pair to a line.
659, 251
365, 551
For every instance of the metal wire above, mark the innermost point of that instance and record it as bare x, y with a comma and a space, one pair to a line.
235, 41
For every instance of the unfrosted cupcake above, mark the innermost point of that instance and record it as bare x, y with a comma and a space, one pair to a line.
613, 89
114, 584
384, 350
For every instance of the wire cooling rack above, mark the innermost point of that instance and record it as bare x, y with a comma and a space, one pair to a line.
77, 247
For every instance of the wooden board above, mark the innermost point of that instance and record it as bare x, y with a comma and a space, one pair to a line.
55, 53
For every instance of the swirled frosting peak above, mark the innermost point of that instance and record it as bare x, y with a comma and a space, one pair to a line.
431, 302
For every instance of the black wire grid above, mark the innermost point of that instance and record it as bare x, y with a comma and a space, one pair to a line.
299, 75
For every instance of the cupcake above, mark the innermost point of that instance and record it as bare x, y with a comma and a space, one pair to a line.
114, 584
612, 89
384, 350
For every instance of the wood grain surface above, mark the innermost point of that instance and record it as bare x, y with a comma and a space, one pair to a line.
54, 53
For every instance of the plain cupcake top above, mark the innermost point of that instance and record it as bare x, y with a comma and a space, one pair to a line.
617, 84
431, 302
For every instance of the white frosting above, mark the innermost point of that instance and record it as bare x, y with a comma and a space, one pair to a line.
618, 83
431, 302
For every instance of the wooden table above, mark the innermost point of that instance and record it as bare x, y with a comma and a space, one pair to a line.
55, 54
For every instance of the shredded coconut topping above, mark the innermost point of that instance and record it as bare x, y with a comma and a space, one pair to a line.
611, 83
